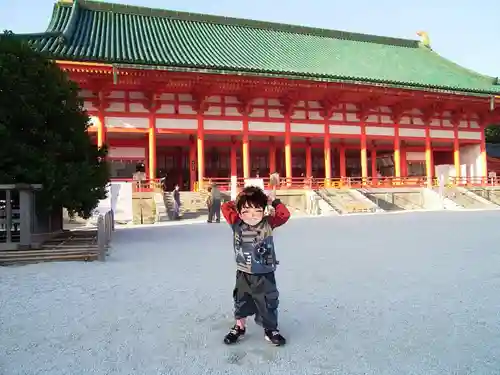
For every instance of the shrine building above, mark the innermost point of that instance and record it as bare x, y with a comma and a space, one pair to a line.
199, 96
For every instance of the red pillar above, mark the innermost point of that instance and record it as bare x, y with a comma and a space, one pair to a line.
397, 153
404, 162
288, 149
342, 161
234, 166
101, 129
245, 149
456, 153
272, 155
364, 159
152, 146
192, 162
327, 155
483, 158
201, 151
429, 165
374, 164
101, 103
308, 158
179, 166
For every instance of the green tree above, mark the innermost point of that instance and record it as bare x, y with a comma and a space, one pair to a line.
43, 136
492, 134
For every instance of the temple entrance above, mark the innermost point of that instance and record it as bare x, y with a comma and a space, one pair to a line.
217, 162
173, 164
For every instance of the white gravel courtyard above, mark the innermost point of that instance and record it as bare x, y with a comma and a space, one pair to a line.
397, 294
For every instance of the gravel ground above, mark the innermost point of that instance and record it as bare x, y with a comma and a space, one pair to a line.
379, 294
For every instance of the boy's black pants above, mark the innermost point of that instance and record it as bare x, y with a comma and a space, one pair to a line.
257, 295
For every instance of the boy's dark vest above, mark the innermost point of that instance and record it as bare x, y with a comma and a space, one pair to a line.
254, 247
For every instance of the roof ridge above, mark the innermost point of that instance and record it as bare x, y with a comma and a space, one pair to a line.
454, 65
241, 22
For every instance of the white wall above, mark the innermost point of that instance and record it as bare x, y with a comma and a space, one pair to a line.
470, 161
127, 153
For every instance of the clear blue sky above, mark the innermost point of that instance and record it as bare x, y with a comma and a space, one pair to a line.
465, 31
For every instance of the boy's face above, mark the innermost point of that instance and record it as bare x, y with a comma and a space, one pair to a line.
251, 215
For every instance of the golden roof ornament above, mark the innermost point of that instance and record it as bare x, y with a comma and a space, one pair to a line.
424, 39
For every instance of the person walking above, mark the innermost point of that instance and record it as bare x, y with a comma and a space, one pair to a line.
214, 204
177, 202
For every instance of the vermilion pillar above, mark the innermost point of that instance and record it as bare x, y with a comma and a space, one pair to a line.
308, 158
397, 153
245, 150
101, 130
428, 156
374, 163
404, 162
234, 166
483, 156
152, 146
456, 154
342, 161
192, 162
272, 155
288, 149
364, 161
328, 154
200, 143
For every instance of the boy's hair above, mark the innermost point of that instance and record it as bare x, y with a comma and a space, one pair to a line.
251, 196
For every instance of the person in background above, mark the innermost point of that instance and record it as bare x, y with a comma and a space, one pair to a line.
274, 180
209, 203
177, 202
139, 177
215, 203
164, 185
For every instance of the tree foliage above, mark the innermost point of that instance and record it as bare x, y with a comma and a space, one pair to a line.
492, 134
43, 131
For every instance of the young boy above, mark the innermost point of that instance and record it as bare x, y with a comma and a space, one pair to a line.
255, 292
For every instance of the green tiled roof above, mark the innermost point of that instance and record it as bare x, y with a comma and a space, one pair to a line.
102, 32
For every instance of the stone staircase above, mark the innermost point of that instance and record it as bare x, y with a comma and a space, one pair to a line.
466, 198
69, 245
396, 199
193, 205
161, 204
490, 193
347, 201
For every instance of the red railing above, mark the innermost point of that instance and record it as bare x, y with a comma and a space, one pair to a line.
224, 183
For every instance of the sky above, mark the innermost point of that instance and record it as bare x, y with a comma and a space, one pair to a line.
465, 31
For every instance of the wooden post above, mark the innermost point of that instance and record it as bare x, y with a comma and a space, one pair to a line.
428, 157
245, 149
364, 159
152, 146
192, 162
456, 156
308, 158
327, 154
288, 150
272, 155
233, 158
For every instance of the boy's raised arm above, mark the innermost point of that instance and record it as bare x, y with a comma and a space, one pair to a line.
229, 212
281, 214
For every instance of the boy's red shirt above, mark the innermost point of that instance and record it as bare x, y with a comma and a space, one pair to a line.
280, 217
